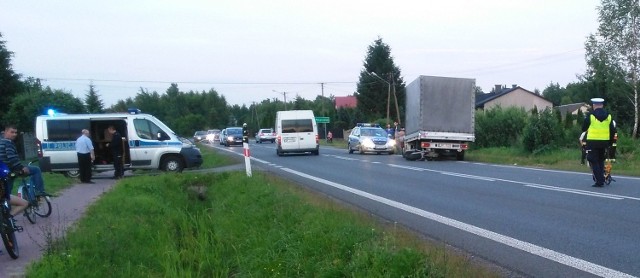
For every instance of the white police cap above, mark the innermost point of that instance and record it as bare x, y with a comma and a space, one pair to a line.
597, 100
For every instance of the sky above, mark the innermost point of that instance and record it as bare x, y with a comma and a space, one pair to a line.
249, 51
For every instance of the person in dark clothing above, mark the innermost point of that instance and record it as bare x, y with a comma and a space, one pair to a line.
601, 129
116, 151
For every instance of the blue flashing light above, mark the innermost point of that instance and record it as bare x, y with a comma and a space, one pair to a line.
134, 111
51, 112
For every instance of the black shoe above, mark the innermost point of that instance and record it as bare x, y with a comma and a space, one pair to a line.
597, 185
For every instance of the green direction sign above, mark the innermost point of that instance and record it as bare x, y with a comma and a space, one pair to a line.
322, 120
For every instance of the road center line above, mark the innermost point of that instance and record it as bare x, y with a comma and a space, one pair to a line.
509, 241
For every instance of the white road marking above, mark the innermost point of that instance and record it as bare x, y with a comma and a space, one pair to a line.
506, 240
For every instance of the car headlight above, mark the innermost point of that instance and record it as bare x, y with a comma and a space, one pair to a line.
368, 143
391, 142
230, 138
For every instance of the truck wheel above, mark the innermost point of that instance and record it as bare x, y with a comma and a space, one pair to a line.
172, 164
460, 156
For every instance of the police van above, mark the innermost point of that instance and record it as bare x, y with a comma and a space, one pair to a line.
296, 132
147, 142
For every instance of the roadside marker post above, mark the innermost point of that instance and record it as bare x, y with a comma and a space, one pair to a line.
247, 158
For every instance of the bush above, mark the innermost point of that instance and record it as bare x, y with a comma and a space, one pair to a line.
499, 127
542, 131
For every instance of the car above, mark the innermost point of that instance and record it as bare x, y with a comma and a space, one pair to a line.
265, 134
200, 135
213, 135
231, 136
370, 138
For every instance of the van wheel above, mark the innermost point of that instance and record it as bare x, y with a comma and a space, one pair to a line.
72, 173
316, 152
172, 164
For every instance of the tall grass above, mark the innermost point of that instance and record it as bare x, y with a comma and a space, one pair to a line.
228, 225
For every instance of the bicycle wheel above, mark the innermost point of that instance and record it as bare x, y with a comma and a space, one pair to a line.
29, 212
43, 207
9, 238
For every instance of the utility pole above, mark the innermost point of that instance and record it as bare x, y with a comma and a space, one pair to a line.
323, 114
393, 80
285, 98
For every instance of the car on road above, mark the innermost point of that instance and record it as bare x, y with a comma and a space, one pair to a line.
265, 134
231, 136
370, 138
213, 135
200, 135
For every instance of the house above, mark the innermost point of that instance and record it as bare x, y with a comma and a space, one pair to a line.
573, 108
514, 96
346, 102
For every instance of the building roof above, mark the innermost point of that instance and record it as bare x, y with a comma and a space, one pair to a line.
484, 98
573, 107
346, 102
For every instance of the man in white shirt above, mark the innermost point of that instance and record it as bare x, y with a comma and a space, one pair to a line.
86, 156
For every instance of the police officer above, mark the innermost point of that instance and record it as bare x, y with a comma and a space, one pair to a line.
245, 133
600, 129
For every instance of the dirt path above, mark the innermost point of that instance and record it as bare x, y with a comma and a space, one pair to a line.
68, 207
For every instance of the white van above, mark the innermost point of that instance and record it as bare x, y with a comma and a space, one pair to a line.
147, 142
296, 132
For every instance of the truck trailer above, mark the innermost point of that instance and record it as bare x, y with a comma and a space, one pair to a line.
440, 119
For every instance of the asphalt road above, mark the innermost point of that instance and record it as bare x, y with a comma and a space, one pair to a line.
540, 223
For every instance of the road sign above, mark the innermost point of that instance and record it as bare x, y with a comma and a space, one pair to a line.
323, 120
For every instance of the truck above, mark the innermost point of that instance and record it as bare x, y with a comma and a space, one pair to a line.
440, 117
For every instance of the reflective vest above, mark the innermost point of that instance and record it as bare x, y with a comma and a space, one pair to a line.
599, 130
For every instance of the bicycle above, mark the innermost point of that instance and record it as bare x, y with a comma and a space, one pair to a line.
38, 205
7, 227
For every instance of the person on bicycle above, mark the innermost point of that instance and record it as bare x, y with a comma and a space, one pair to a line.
9, 155
601, 130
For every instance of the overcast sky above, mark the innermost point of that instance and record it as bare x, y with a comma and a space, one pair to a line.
246, 50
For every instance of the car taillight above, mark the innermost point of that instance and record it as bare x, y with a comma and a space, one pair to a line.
39, 147
464, 146
317, 139
425, 145
279, 139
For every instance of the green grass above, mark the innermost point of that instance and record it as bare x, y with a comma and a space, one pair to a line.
213, 160
228, 225
559, 159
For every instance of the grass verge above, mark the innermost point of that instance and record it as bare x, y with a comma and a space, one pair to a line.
228, 225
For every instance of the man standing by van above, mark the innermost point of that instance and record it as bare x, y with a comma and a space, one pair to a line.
116, 151
86, 156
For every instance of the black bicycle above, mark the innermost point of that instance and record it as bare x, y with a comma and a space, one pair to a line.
8, 228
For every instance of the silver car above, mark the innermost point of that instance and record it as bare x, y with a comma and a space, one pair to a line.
370, 138
265, 134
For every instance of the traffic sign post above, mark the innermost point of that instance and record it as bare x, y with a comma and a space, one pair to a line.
322, 120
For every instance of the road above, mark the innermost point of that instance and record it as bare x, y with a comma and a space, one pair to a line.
542, 223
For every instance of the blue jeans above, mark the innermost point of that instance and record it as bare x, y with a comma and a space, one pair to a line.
36, 178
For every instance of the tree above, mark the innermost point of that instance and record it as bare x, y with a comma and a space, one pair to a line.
617, 41
380, 85
553, 93
92, 100
33, 103
10, 84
